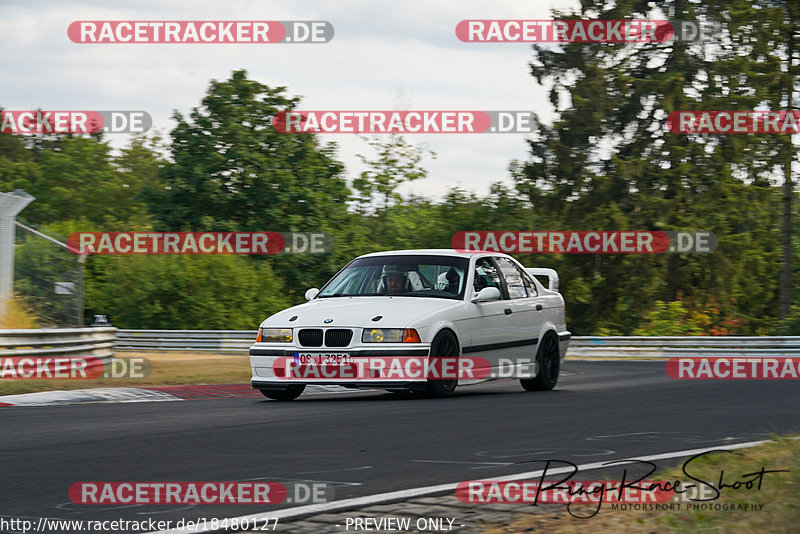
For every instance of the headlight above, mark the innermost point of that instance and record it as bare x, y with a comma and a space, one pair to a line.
390, 335
275, 335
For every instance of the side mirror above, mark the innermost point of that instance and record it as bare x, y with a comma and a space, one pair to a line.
487, 294
311, 293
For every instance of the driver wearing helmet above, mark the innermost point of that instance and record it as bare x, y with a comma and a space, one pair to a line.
394, 282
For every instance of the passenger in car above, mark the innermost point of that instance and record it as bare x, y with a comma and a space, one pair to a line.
453, 282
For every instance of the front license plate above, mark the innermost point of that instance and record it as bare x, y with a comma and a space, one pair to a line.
323, 358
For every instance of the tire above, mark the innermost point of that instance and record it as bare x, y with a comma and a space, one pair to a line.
548, 361
288, 394
444, 344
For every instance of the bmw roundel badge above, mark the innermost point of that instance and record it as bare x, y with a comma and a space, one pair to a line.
326, 321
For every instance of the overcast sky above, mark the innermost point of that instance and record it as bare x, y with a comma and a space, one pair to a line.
385, 55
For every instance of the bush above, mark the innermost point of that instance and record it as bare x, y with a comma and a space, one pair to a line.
183, 292
678, 318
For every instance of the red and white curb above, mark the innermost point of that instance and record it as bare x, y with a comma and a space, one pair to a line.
84, 396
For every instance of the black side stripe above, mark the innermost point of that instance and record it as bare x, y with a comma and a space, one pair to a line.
497, 346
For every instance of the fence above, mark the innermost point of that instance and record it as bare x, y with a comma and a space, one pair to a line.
75, 342
48, 278
591, 347
675, 346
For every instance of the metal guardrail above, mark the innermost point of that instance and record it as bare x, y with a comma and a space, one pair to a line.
98, 342
677, 346
202, 340
580, 346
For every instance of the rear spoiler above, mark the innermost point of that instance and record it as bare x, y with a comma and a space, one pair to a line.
551, 274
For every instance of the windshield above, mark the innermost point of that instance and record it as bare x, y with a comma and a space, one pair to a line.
404, 276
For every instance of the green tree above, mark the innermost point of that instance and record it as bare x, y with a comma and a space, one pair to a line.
766, 37
232, 170
396, 162
139, 168
608, 162
78, 177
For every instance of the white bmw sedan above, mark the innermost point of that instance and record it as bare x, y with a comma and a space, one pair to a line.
422, 320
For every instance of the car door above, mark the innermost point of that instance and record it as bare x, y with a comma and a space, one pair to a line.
527, 310
490, 323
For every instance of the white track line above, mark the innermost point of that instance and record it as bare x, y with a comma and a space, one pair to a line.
368, 500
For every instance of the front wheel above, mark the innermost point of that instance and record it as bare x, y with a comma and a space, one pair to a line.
548, 361
443, 345
288, 394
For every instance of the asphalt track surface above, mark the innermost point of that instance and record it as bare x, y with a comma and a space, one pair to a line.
370, 442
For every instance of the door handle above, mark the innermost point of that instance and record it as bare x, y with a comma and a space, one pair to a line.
507, 311
538, 307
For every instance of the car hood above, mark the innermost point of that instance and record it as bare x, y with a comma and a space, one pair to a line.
396, 312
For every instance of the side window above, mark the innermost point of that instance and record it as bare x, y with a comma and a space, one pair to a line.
487, 275
513, 278
518, 281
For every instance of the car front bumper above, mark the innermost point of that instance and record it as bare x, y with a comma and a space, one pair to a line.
266, 358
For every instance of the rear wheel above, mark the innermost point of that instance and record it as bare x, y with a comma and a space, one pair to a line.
443, 345
548, 361
288, 394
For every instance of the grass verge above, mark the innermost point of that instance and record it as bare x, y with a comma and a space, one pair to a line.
15, 317
168, 368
